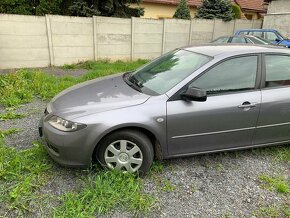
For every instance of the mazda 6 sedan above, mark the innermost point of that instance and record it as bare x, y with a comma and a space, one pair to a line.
189, 101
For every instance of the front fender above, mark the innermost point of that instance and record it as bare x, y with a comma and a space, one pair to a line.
150, 116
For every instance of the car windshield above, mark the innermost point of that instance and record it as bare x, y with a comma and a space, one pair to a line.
164, 73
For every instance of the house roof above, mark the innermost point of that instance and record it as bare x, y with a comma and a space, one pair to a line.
192, 3
254, 5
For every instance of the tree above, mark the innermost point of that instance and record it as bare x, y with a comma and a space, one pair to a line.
44, 7
109, 8
237, 11
182, 11
30, 7
16, 7
80, 8
220, 9
84, 8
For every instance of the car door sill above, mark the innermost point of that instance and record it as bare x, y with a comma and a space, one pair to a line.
228, 149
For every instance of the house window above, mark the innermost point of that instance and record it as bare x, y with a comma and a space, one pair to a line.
249, 16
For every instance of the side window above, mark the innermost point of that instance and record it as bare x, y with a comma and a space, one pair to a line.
271, 36
256, 34
238, 40
277, 70
231, 75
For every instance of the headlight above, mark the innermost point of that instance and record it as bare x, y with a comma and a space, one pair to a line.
65, 125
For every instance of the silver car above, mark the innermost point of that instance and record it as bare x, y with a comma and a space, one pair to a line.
189, 101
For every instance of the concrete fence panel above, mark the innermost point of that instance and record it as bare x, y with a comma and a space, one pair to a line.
223, 28
176, 29
23, 42
147, 36
72, 39
201, 31
243, 24
30, 41
113, 38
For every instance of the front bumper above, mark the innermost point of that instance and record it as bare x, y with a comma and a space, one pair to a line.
72, 149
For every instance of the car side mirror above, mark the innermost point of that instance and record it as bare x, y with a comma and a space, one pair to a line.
277, 40
194, 94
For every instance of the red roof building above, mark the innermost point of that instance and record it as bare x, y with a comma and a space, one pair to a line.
252, 9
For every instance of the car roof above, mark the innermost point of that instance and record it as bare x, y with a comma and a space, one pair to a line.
237, 36
259, 30
215, 50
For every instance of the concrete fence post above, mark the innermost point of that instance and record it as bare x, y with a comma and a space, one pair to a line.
212, 36
163, 37
132, 37
95, 32
190, 32
49, 40
234, 26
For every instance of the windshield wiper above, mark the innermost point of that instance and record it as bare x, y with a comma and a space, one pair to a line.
132, 82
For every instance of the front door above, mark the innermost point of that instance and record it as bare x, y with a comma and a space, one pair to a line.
229, 116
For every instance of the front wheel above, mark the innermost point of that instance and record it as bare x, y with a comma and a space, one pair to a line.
126, 150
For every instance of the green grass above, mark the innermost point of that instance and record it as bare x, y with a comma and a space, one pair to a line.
21, 174
280, 184
4, 133
10, 115
103, 192
24, 173
280, 153
22, 86
273, 211
156, 168
167, 186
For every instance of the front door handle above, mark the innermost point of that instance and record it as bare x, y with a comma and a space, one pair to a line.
247, 104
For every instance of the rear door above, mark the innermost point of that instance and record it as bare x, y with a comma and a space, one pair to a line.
274, 120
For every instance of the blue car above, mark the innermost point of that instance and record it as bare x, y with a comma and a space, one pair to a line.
270, 34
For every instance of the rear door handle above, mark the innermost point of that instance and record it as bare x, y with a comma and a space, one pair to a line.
247, 104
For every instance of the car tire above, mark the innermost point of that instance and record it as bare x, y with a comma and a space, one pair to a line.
126, 150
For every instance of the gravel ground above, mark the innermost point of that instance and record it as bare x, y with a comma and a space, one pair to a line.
215, 185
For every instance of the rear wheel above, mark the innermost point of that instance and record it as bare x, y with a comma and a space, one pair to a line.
126, 150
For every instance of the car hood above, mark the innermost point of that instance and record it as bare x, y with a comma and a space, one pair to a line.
95, 96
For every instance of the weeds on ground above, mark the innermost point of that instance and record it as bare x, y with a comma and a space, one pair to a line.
273, 211
280, 153
279, 184
22, 86
156, 168
21, 173
167, 186
104, 64
4, 133
10, 115
103, 192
